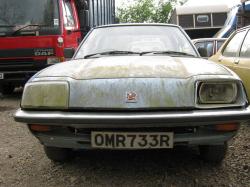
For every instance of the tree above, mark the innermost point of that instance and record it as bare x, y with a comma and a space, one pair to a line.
146, 11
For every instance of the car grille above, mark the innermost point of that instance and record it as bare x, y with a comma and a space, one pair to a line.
24, 64
175, 130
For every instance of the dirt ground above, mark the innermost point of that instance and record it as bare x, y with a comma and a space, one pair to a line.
23, 162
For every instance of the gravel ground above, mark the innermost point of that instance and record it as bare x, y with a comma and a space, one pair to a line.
23, 163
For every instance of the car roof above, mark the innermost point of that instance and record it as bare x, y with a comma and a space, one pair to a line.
137, 24
244, 28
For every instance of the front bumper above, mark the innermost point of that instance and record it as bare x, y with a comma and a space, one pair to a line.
199, 121
134, 119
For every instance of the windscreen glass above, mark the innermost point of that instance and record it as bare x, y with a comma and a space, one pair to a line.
136, 39
15, 14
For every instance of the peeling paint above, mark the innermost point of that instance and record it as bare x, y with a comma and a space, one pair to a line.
159, 81
152, 93
134, 67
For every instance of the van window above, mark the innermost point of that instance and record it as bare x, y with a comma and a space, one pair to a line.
234, 44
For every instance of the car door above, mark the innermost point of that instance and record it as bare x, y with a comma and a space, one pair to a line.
242, 64
230, 52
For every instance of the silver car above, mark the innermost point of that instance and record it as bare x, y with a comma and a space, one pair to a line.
134, 86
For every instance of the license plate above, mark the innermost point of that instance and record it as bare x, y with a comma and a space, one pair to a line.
1, 76
131, 140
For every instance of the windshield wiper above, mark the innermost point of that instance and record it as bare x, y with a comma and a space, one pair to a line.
111, 53
24, 27
168, 53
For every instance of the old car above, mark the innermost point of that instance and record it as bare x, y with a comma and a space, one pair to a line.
112, 97
207, 47
235, 54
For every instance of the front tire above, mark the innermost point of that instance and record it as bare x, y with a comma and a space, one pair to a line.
213, 153
57, 154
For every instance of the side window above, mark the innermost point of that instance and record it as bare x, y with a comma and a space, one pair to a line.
245, 49
207, 45
234, 44
68, 14
219, 44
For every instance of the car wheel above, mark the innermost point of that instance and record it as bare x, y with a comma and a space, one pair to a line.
57, 154
7, 89
213, 153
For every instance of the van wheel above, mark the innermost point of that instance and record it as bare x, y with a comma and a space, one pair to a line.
213, 153
57, 154
7, 89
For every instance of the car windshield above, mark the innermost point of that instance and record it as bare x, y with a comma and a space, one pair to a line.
132, 39
15, 14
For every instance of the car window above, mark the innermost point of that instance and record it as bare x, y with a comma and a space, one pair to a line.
208, 45
234, 44
245, 49
219, 44
136, 39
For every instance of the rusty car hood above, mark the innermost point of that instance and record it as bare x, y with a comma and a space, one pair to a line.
110, 67
157, 81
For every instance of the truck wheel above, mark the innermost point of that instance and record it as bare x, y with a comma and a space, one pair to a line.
7, 89
213, 153
57, 154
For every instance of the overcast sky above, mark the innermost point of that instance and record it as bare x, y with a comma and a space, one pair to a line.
120, 2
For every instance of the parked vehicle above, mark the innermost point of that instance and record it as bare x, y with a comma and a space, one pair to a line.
36, 33
234, 21
202, 19
129, 96
235, 54
207, 47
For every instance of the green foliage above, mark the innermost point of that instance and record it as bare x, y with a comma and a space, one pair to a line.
146, 11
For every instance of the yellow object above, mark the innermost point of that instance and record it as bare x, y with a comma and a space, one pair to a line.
234, 61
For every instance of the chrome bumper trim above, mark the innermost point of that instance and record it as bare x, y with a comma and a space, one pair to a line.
133, 119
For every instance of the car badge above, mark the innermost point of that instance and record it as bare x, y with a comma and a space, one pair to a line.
131, 97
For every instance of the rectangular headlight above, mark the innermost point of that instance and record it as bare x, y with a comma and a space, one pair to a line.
53, 60
52, 95
217, 93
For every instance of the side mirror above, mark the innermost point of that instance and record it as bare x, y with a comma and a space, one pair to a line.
202, 51
69, 52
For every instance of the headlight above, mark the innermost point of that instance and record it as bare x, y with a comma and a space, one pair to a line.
53, 60
53, 95
217, 93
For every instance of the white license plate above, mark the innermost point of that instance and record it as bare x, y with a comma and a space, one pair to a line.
1, 76
131, 140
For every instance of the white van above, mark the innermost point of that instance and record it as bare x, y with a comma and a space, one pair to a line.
202, 18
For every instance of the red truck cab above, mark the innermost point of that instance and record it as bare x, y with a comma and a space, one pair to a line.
35, 34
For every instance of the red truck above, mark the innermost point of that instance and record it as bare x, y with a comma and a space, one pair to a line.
35, 34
